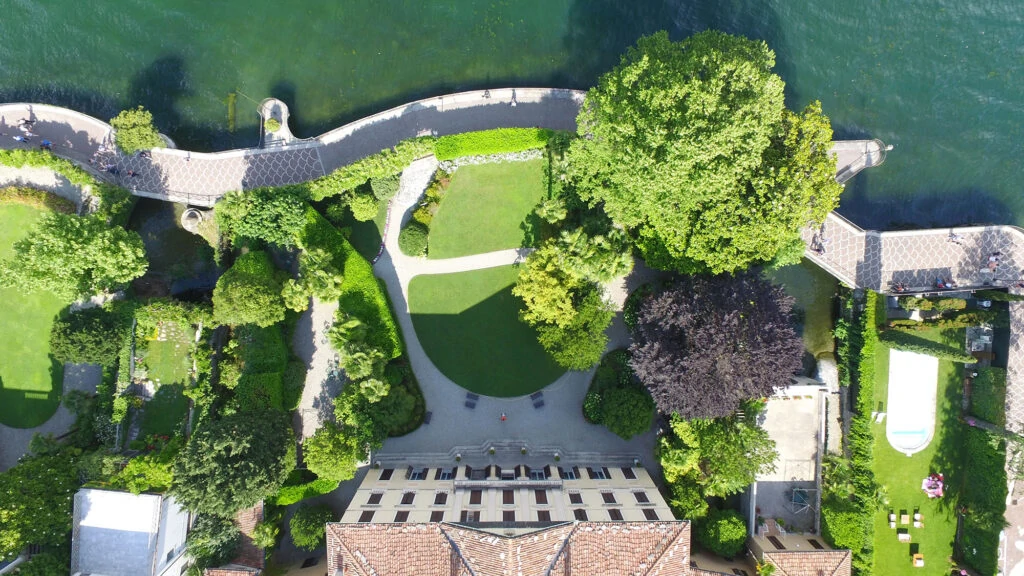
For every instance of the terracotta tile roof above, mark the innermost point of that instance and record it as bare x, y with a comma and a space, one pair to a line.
810, 563
248, 558
702, 572
584, 548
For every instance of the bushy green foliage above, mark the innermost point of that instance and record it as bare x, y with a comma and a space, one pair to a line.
627, 411
944, 304
956, 319
272, 124
274, 215
212, 541
383, 164
72, 256
160, 310
319, 278
332, 455
363, 204
845, 525
910, 343
249, 292
723, 532
93, 335
687, 498
261, 349
134, 130
988, 395
292, 383
259, 392
152, 471
35, 502
597, 258
301, 489
578, 345
722, 455
230, 464
496, 141
385, 187
44, 564
547, 290
264, 534
412, 240
592, 407
690, 147
308, 526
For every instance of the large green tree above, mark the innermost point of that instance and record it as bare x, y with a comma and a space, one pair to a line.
134, 130
249, 292
36, 501
233, 463
274, 215
331, 453
73, 255
308, 525
93, 335
689, 146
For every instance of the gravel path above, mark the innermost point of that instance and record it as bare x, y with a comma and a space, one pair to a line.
322, 376
556, 427
14, 441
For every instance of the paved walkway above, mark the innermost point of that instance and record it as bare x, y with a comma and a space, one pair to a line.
322, 377
201, 178
14, 441
557, 427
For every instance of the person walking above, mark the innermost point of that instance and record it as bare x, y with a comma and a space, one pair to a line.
503, 417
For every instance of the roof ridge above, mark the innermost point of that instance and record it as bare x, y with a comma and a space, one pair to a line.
455, 548
341, 542
666, 543
561, 549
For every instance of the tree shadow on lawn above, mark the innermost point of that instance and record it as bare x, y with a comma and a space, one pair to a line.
30, 408
165, 413
486, 348
949, 456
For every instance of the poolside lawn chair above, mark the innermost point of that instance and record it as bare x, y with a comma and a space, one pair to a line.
918, 560
903, 535
892, 516
917, 516
892, 524
880, 418
918, 524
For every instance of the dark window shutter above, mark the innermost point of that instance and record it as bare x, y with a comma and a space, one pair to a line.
469, 472
437, 474
497, 471
547, 471
607, 474
590, 472
561, 473
408, 472
526, 470
576, 471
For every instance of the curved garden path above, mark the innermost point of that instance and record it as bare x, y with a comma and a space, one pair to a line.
557, 427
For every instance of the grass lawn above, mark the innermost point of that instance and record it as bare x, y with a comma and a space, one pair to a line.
30, 380
165, 413
468, 323
901, 475
988, 396
167, 360
485, 207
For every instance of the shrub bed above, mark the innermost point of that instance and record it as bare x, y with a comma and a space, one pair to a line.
300, 485
385, 163
36, 199
412, 240
616, 398
495, 141
983, 500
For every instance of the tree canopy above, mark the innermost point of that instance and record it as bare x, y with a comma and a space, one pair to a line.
213, 540
274, 215
249, 292
35, 502
72, 256
707, 343
332, 454
723, 532
308, 525
233, 463
93, 335
134, 130
689, 146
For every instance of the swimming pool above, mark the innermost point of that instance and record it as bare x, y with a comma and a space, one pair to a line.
913, 385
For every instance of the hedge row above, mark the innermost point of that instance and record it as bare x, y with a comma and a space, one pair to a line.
958, 319
847, 520
984, 499
300, 485
998, 296
908, 342
36, 199
385, 163
497, 141
362, 294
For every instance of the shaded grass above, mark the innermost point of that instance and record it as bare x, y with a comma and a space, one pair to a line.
366, 236
30, 379
988, 396
167, 360
165, 413
485, 207
468, 323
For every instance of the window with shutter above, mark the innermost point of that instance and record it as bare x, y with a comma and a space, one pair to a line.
628, 473
475, 496
580, 514
650, 514
508, 515
641, 497
590, 472
402, 516
541, 496
366, 516
608, 497
437, 516
440, 498
437, 474
408, 497
508, 496
575, 498
543, 516
375, 498
386, 473
615, 514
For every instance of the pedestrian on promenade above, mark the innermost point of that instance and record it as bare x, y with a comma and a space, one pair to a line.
21, 139
132, 173
503, 417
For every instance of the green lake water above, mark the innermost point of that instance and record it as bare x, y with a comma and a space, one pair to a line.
938, 79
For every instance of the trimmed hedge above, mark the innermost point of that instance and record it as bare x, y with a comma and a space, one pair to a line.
907, 342
259, 392
958, 319
301, 485
385, 163
998, 296
412, 240
497, 141
984, 498
36, 199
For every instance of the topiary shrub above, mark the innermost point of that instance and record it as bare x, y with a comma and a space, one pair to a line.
592, 407
385, 187
364, 205
949, 304
135, 131
723, 532
308, 526
272, 125
627, 411
91, 336
412, 240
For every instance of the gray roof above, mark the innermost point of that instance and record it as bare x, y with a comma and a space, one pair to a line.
122, 534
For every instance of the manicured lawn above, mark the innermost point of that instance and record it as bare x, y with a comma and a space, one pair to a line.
30, 380
901, 476
165, 413
167, 360
485, 207
469, 326
366, 236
